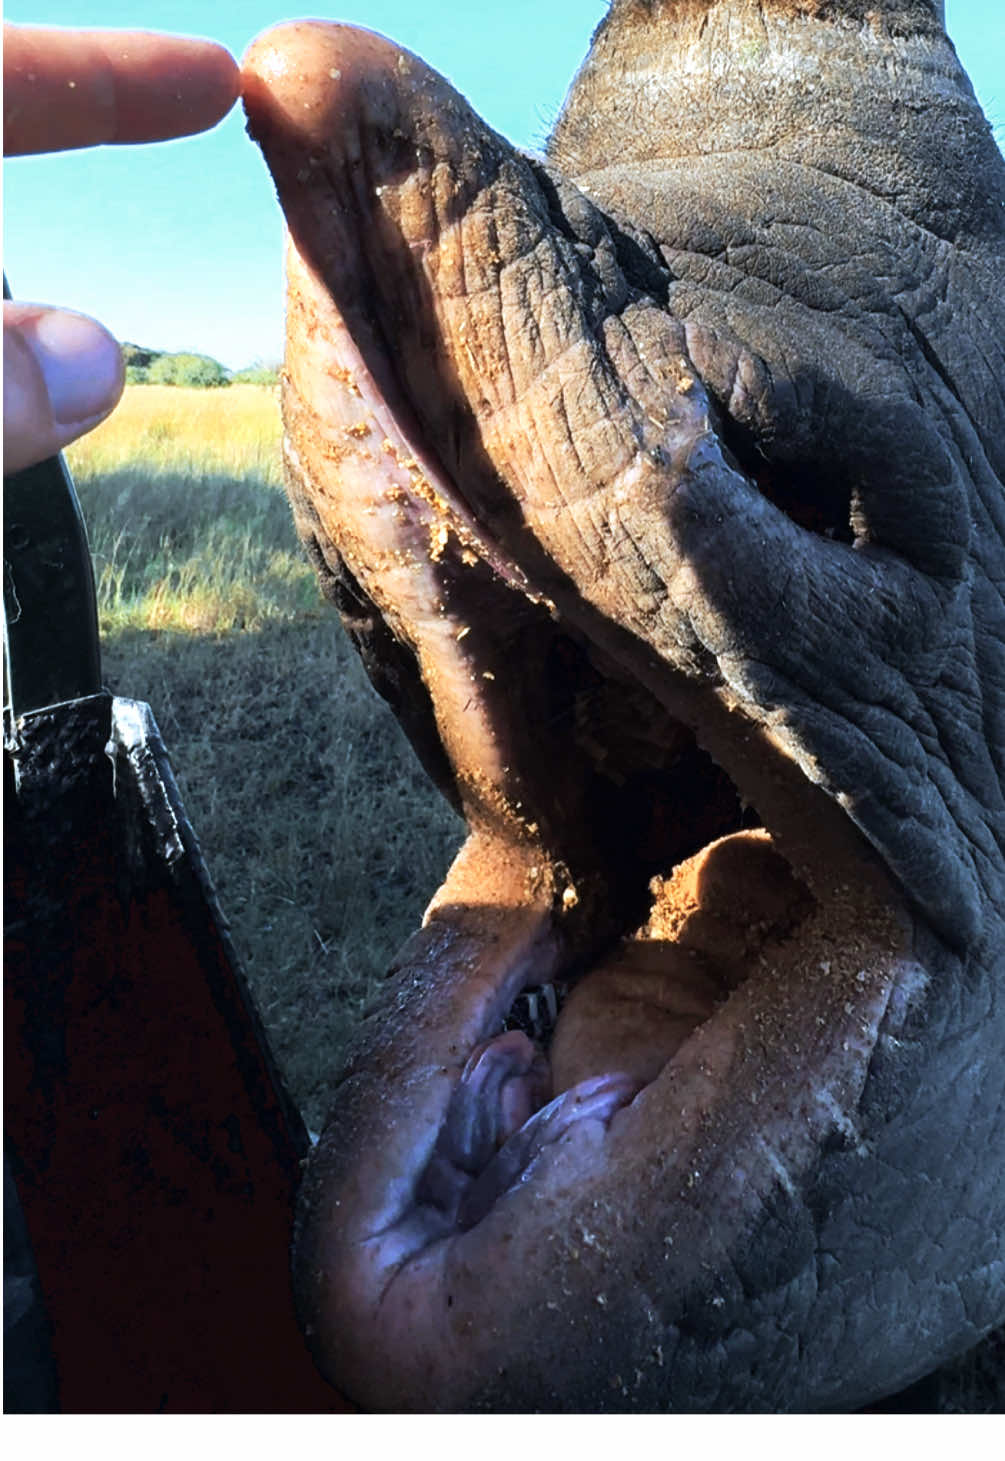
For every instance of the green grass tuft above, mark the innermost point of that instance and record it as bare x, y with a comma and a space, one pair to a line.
204, 554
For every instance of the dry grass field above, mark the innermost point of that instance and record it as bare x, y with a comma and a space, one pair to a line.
322, 834
321, 831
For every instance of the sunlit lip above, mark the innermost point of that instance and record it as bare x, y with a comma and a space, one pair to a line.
439, 511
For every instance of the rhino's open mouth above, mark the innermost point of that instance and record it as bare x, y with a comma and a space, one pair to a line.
613, 860
730, 943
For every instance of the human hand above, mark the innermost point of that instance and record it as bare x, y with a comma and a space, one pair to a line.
64, 89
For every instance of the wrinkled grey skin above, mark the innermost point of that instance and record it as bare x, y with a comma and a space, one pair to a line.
713, 399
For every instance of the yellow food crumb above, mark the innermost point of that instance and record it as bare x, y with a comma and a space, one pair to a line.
439, 535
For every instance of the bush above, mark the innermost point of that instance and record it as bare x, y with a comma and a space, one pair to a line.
258, 374
141, 355
137, 375
187, 370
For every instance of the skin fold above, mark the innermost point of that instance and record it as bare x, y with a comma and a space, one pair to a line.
659, 482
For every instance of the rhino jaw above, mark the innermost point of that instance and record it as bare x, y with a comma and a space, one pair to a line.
486, 1222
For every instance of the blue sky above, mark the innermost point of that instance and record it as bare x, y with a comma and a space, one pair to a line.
179, 245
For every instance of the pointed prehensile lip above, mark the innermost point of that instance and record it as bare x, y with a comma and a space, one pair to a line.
305, 77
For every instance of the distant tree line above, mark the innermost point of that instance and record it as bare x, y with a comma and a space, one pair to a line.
163, 368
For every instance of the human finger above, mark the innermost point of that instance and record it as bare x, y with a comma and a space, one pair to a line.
78, 88
63, 373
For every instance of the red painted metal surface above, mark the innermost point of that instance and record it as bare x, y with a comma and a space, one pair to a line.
155, 1154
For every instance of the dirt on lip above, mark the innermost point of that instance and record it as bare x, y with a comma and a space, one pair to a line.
725, 915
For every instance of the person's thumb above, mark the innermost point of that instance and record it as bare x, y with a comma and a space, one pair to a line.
63, 373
